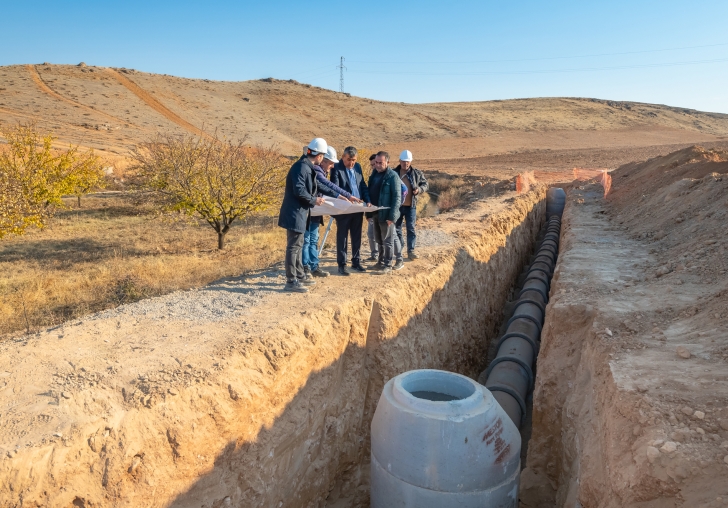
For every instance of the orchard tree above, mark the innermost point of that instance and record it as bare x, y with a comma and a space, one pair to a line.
86, 178
219, 181
34, 177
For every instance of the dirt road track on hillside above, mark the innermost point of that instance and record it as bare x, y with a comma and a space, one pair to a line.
154, 103
43, 86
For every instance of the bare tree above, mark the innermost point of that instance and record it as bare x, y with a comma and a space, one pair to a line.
220, 181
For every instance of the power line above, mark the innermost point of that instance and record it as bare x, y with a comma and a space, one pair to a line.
310, 71
546, 58
546, 71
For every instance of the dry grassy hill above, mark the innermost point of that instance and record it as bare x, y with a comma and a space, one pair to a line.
113, 109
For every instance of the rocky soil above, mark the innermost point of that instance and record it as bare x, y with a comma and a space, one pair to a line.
240, 394
631, 400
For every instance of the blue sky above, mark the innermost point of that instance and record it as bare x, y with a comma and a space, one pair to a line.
665, 52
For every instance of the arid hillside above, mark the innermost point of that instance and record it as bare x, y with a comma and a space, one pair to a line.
113, 109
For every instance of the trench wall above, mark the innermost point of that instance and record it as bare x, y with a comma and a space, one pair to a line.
595, 415
574, 402
287, 416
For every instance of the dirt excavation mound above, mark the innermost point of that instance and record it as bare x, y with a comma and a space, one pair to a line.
631, 397
238, 394
169, 402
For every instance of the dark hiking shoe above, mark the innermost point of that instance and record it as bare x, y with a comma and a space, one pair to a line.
306, 271
377, 267
318, 272
295, 287
386, 270
413, 256
398, 265
359, 268
344, 271
308, 281
374, 258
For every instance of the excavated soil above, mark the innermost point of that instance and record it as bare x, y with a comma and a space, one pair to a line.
166, 403
631, 397
237, 394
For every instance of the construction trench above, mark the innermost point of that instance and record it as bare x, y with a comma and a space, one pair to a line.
284, 418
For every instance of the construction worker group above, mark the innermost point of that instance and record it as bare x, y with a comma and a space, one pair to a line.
319, 173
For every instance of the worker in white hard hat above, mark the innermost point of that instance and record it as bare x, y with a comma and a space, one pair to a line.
311, 237
301, 194
416, 184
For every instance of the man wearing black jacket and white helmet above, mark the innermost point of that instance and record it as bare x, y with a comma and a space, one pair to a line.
417, 185
299, 197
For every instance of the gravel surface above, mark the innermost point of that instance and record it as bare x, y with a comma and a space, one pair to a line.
232, 296
218, 301
433, 238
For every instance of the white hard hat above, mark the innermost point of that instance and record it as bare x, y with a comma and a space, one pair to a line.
331, 154
317, 146
406, 156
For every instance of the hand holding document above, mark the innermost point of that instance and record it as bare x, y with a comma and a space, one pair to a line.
339, 207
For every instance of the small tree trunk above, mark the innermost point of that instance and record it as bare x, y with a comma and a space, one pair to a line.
220, 240
79, 200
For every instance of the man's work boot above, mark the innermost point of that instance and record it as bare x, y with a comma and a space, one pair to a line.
295, 287
308, 281
318, 272
398, 265
344, 271
413, 256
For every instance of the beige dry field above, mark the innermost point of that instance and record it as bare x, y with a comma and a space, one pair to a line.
111, 252
235, 393
113, 109
114, 251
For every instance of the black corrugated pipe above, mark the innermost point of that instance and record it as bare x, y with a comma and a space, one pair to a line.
510, 375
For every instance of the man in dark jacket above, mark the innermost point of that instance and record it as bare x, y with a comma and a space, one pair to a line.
417, 185
347, 174
299, 197
311, 236
385, 191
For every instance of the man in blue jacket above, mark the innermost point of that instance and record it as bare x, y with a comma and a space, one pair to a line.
298, 199
311, 236
347, 174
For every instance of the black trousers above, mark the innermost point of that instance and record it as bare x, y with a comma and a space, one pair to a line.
346, 225
294, 256
384, 234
